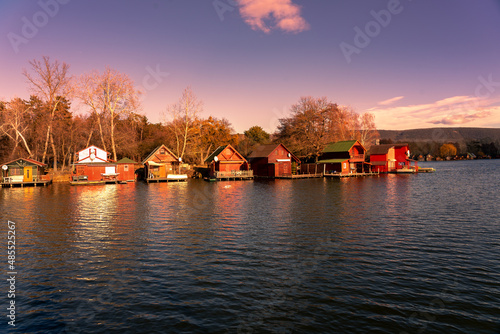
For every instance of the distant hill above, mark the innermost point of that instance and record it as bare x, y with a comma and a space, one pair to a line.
442, 135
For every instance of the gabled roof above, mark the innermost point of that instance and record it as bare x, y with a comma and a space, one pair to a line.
221, 149
340, 146
31, 161
93, 146
384, 148
332, 161
265, 150
156, 150
126, 161
380, 149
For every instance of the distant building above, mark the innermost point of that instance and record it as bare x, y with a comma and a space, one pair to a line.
343, 157
273, 161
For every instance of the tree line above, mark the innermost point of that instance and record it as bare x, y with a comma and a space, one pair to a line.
46, 128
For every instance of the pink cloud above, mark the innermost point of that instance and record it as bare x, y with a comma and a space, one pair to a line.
390, 101
455, 110
262, 14
461, 118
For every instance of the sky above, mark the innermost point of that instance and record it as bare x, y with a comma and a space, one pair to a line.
412, 63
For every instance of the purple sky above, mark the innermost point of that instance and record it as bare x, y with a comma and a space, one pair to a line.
414, 64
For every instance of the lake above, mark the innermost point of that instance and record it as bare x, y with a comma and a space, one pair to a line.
384, 254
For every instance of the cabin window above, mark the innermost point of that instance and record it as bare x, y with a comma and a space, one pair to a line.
162, 151
15, 171
125, 168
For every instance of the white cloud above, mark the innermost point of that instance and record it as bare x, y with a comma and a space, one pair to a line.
266, 15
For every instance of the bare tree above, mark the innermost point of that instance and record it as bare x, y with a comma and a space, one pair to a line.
367, 131
51, 82
109, 96
14, 124
310, 128
184, 113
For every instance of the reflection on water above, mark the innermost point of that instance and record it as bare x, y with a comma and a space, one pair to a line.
388, 254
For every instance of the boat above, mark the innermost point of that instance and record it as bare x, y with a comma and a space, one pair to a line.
426, 170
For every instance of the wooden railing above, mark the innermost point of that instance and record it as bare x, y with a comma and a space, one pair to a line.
235, 173
358, 157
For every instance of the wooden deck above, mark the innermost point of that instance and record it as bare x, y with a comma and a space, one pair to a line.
232, 176
95, 183
300, 176
26, 184
168, 178
339, 175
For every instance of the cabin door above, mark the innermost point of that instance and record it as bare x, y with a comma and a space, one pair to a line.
163, 172
28, 174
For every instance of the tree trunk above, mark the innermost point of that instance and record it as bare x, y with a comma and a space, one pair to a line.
46, 143
102, 135
113, 136
54, 151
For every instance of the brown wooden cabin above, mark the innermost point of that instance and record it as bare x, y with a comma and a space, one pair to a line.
272, 161
226, 163
162, 165
344, 157
23, 172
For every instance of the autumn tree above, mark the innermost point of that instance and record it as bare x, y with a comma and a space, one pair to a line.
447, 150
254, 136
211, 133
109, 96
51, 82
184, 118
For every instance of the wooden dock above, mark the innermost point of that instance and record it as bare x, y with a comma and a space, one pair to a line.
26, 184
168, 178
340, 175
300, 176
95, 183
231, 176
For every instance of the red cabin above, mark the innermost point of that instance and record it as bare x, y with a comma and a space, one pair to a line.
273, 161
390, 158
126, 169
94, 165
226, 163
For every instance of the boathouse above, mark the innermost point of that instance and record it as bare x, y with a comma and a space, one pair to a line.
162, 165
24, 172
392, 158
344, 157
126, 169
273, 161
93, 165
225, 163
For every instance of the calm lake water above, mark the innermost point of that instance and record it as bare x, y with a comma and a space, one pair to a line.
389, 254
